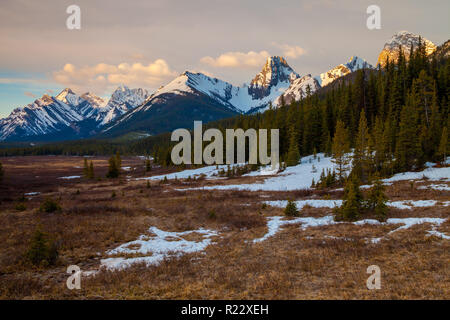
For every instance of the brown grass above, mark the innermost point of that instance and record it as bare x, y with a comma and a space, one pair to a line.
294, 264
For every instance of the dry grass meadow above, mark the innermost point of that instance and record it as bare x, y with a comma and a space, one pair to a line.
294, 264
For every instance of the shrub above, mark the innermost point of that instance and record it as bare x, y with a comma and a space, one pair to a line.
291, 209
49, 205
212, 214
21, 206
42, 250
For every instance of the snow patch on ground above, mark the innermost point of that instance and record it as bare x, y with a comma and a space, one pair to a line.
440, 187
433, 174
70, 177
32, 193
275, 223
209, 172
293, 178
310, 202
409, 204
402, 204
153, 249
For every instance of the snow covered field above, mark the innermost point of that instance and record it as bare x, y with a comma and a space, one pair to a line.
293, 178
302, 175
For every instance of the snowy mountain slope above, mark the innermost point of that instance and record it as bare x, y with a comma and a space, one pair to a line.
43, 116
403, 40
67, 115
355, 63
274, 79
276, 71
122, 100
298, 90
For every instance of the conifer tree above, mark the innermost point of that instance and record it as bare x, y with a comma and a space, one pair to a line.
91, 174
148, 165
113, 168
443, 146
361, 155
118, 160
293, 155
85, 168
352, 204
291, 209
340, 149
377, 199
408, 149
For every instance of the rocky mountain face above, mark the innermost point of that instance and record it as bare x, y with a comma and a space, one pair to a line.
403, 40
275, 72
67, 115
122, 100
275, 78
299, 89
354, 64
443, 51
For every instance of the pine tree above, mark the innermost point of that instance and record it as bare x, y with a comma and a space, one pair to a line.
293, 155
118, 160
85, 168
443, 146
352, 204
291, 209
408, 144
340, 149
113, 168
361, 155
377, 199
148, 165
91, 174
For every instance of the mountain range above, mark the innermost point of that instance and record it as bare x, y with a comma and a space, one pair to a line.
190, 96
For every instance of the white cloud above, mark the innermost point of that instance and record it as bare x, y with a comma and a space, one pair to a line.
250, 59
289, 51
29, 94
102, 76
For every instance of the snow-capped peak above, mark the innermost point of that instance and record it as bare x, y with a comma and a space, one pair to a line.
275, 71
62, 96
122, 100
404, 40
354, 63
298, 90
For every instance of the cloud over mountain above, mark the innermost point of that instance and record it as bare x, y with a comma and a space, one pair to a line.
237, 59
103, 76
289, 51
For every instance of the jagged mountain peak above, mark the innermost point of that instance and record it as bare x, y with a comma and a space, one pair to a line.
403, 40
276, 71
354, 63
62, 96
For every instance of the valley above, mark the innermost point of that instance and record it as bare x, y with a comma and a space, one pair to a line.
192, 234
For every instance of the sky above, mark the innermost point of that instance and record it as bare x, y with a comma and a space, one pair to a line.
147, 43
